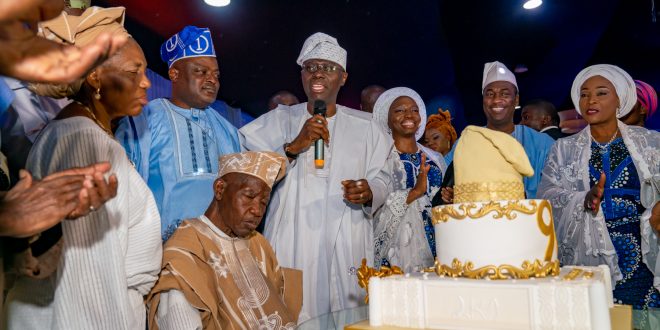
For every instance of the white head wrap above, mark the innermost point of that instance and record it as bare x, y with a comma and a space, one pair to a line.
496, 71
624, 85
385, 100
323, 47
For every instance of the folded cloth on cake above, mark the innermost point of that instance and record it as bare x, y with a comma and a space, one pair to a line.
489, 165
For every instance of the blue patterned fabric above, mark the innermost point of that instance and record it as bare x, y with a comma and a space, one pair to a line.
622, 209
411, 163
176, 152
189, 42
6, 96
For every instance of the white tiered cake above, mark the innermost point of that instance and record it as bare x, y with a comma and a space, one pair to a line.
496, 264
498, 240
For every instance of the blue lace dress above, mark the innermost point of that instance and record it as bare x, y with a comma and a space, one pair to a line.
411, 163
622, 209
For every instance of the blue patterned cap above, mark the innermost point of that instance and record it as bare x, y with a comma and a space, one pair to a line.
190, 42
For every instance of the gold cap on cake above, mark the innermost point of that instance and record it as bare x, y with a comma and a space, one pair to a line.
489, 165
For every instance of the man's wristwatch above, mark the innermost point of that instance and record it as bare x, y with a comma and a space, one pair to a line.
288, 153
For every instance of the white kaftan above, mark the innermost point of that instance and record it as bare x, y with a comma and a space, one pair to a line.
110, 258
309, 224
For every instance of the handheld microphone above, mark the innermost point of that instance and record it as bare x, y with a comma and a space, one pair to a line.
319, 108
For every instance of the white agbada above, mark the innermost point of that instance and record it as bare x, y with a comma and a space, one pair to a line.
110, 258
582, 237
309, 224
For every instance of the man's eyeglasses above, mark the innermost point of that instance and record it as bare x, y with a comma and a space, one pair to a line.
327, 68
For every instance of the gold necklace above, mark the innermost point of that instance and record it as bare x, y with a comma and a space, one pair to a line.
96, 120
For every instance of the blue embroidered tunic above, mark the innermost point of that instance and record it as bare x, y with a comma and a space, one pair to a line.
622, 209
176, 151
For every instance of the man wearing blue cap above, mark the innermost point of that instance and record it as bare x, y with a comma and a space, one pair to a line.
175, 143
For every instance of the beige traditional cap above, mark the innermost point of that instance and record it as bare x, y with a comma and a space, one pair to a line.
489, 165
83, 30
268, 166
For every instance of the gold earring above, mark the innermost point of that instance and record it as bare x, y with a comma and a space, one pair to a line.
97, 95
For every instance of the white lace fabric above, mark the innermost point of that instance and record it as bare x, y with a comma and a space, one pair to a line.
582, 237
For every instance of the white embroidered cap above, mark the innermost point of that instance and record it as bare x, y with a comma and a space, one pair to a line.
496, 71
324, 47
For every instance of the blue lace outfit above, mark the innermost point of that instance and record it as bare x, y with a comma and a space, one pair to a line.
622, 209
411, 163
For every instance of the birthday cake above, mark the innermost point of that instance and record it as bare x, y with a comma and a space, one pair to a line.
496, 264
578, 298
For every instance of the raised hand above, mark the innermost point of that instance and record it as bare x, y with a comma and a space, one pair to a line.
30, 11
357, 191
28, 57
594, 196
422, 181
314, 128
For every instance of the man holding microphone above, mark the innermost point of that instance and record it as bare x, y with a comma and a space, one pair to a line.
319, 218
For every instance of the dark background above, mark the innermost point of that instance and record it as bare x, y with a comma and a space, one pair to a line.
437, 48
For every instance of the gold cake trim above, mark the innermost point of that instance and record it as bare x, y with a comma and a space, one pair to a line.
365, 273
537, 268
488, 191
508, 209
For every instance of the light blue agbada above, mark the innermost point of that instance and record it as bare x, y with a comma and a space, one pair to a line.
537, 146
176, 151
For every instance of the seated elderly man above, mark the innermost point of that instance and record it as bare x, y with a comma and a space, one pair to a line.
218, 273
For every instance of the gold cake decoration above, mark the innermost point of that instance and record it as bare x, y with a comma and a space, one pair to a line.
488, 191
536, 268
364, 273
502, 209
547, 229
577, 273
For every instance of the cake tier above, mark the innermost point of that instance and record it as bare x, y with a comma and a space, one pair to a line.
498, 239
579, 298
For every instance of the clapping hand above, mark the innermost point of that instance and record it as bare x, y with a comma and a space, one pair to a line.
33, 206
97, 190
422, 181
